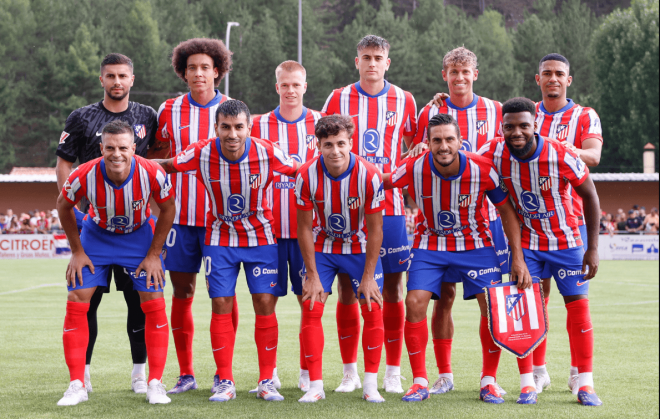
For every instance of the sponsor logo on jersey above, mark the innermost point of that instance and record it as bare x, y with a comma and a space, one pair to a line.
136, 205
310, 142
337, 222
255, 181
64, 136
236, 203
545, 182
391, 118
140, 130
529, 201
562, 131
353, 202
371, 141
284, 185
516, 306
446, 219
563, 273
482, 127
464, 200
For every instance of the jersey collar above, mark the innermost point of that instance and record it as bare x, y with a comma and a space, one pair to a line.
130, 105
248, 143
286, 121
386, 89
475, 100
343, 175
568, 106
539, 147
461, 169
111, 183
213, 102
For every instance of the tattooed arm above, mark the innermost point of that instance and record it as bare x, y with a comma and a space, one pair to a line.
167, 165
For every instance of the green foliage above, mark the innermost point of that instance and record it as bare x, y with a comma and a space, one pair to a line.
51, 51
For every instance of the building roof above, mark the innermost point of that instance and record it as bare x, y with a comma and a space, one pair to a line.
625, 177
30, 174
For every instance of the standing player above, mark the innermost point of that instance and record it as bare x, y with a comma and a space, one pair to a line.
480, 120
182, 121
118, 187
345, 193
236, 171
291, 127
385, 115
80, 141
453, 237
579, 127
538, 172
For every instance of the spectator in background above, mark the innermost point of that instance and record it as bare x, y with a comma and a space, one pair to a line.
633, 224
651, 221
4, 222
55, 221
607, 225
621, 222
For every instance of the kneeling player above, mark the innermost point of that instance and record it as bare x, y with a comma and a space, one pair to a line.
450, 188
539, 172
118, 187
346, 193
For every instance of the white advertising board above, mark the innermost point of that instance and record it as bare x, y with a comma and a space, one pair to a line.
33, 246
628, 247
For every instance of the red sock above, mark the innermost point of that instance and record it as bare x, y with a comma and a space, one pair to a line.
223, 339
417, 338
234, 315
442, 348
348, 329
582, 333
490, 351
570, 342
538, 355
372, 337
75, 338
303, 360
265, 336
394, 318
156, 336
313, 339
525, 365
183, 330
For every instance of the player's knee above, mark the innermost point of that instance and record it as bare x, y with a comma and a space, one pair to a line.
264, 304
415, 308
447, 296
393, 288
222, 305
183, 284
345, 291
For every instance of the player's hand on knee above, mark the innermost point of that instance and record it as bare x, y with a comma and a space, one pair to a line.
312, 289
418, 150
74, 269
591, 261
369, 290
154, 271
438, 100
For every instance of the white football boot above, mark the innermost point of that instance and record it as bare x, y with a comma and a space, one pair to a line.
75, 394
156, 393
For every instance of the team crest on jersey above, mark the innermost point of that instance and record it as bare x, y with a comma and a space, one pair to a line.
140, 130
545, 182
391, 118
562, 131
464, 200
255, 181
516, 306
353, 202
310, 142
482, 127
64, 136
136, 205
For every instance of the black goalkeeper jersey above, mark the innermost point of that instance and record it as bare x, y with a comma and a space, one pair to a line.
82, 131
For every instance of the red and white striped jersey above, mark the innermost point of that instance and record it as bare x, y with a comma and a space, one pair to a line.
573, 124
479, 122
119, 209
539, 186
297, 139
452, 214
240, 215
183, 122
381, 121
340, 204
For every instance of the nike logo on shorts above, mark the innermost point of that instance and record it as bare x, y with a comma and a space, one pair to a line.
158, 326
273, 284
579, 284
494, 282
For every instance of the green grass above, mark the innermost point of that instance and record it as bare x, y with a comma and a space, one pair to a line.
624, 307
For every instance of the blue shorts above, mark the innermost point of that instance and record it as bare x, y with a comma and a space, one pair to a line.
183, 248
329, 265
222, 264
501, 244
290, 266
564, 265
547, 272
105, 249
395, 250
476, 268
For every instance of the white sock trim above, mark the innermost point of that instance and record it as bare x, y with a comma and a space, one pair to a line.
449, 375
352, 368
487, 380
139, 369
316, 385
392, 370
527, 380
371, 379
421, 381
586, 379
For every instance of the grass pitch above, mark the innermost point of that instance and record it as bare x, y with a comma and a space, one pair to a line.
624, 307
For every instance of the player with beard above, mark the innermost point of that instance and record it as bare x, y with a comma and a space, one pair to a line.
538, 172
80, 141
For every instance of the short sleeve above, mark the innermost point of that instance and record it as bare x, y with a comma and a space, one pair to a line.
590, 126
375, 194
303, 201
69, 145
331, 106
75, 187
283, 163
573, 168
162, 188
422, 124
400, 176
410, 125
188, 159
162, 130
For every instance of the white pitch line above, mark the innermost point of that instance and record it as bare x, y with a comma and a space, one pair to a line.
638, 285
59, 284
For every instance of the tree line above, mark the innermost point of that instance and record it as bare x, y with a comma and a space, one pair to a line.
50, 51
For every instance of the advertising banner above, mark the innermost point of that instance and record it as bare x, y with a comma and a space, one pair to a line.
33, 246
628, 247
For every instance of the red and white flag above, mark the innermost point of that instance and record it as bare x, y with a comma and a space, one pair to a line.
517, 319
